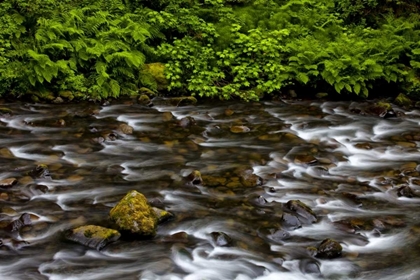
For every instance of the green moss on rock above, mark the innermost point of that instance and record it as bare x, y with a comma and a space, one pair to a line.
162, 215
66, 94
134, 214
403, 100
144, 99
93, 236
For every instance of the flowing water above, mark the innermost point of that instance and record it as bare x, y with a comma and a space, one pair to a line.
359, 173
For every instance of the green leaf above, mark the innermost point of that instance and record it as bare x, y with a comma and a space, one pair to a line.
356, 88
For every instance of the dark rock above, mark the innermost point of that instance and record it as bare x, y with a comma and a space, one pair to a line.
306, 215
290, 221
195, 177
405, 191
8, 182
381, 109
95, 237
186, 122
16, 225
221, 239
40, 171
329, 249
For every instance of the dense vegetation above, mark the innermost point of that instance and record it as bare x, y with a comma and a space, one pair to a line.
212, 48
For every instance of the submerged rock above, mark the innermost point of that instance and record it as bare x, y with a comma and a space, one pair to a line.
134, 215
179, 237
95, 237
248, 178
240, 129
329, 249
305, 214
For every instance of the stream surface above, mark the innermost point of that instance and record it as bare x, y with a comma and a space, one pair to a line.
359, 173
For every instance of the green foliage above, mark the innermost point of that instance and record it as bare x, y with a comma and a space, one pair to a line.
87, 49
270, 45
212, 48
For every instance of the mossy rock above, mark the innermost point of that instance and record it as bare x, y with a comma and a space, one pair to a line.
96, 237
5, 111
162, 215
157, 72
183, 100
66, 94
45, 95
144, 99
148, 92
213, 181
403, 101
134, 215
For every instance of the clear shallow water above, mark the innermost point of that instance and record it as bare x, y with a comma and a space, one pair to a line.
347, 167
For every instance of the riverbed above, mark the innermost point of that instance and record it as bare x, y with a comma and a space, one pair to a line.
359, 173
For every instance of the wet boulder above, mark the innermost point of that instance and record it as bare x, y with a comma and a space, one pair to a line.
329, 249
134, 215
195, 177
186, 122
16, 225
125, 129
381, 109
303, 212
162, 215
405, 191
95, 237
8, 182
40, 171
278, 234
290, 221
221, 239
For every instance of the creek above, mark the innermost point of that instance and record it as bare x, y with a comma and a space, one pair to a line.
359, 173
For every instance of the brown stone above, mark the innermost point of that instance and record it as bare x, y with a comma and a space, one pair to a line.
8, 182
